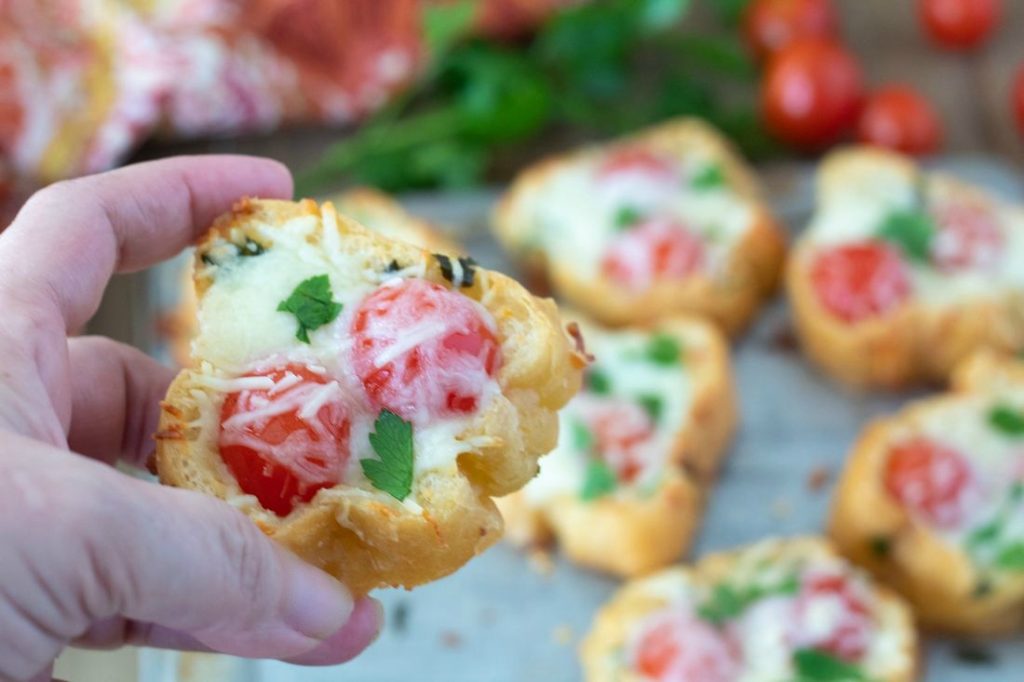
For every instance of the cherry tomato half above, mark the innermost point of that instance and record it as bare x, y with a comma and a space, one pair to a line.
811, 93
928, 478
858, 281
275, 448
422, 350
832, 615
968, 237
959, 24
654, 249
622, 431
770, 25
676, 647
898, 117
638, 160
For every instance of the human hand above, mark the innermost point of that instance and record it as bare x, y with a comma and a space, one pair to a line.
89, 555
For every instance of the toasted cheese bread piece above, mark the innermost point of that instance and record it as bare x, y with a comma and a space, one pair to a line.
639, 446
776, 611
361, 399
902, 274
369, 207
668, 220
932, 502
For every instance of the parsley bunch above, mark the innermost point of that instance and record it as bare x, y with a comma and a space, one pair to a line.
599, 68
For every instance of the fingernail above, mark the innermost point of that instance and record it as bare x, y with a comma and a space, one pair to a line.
315, 605
361, 630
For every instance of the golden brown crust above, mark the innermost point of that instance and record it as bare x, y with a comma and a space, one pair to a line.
730, 298
916, 343
636, 533
616, 619
875, 531
366, 538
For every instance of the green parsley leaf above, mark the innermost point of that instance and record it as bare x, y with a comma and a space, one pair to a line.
1011, 557
598, 482
626, 217
912, 231
312, 305
598, 381
582, 438
985, 534
709, 177
728, 601
663, 349
1008, 420
652, 405
443, 24
817, 666
392, 441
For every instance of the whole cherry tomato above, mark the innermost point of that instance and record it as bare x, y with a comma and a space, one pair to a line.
423, 350
277, 448
770, 25
928, 478
811, 93
898, 117
959, 24
858, 281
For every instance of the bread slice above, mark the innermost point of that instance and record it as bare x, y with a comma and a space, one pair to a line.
932, 501
639, 447
940, 271
668, 220
781, 609
248, 266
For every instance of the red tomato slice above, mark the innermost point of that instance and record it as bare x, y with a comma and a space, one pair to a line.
275, 448
676, 647
636, 160
422, 350
654, 249
622, 430
858, 281
832, 615
929, 479
968, 237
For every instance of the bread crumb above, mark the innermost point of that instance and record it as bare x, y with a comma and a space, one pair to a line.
781, 508
563, 635
818, 478
451, 639
541, 561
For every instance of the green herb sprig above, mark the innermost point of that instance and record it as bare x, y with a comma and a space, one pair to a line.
392, 441
312, 304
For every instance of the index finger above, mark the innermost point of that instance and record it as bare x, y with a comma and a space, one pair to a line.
70, 237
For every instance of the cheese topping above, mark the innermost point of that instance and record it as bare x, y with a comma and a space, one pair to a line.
241, 331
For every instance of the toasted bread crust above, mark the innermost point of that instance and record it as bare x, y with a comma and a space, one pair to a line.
613, 623
916, 343
366, 538
730, 298
938, 580
631, 536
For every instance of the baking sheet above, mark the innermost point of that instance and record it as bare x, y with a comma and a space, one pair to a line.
504, 619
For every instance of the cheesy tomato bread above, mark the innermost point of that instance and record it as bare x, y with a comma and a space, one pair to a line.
901, 274
638, 447
361, 399
668, 220
370, 208
781, 610
932, 501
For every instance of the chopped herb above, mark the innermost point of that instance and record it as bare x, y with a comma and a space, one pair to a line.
467, 270
974, 654
393, 266
663, 349
582, 438
709, 177
312, 305
445, 263
727, 601
598, 482
982, 589
984, 534
598, 382
392, 441
207, 260
881, 546
1008, 420
1011, 557
251, 247
912, 231
652, 405
817, 666
627, 216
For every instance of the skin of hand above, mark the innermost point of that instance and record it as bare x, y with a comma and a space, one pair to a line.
90, 556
